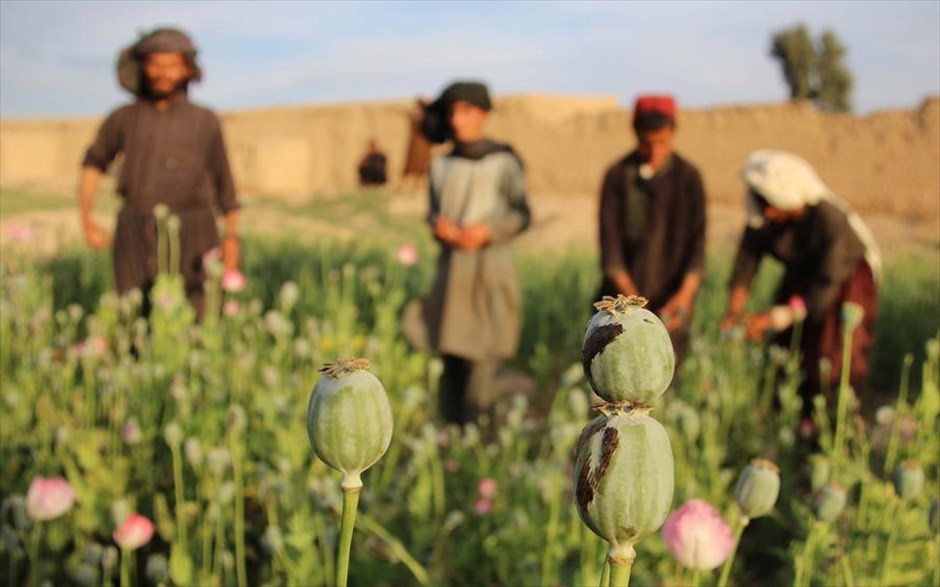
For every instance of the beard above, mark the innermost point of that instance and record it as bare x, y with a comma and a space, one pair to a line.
162, 93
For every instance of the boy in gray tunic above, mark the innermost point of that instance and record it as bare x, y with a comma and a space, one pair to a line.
478, 204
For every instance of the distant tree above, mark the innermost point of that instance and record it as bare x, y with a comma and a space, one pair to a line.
814, 72
794, 48
835, 80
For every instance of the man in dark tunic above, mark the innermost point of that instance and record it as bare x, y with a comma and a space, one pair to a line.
173, 154
478, 205
652, 222
372, 167
830, 257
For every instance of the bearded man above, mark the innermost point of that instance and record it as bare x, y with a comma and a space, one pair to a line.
173, 154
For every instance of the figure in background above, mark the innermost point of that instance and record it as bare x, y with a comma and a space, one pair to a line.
174, 154
478, 205
830, 258
371, 169
418, 154
652, 222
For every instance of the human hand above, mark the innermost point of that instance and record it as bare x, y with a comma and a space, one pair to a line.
676, 312
96, 238
757, 325
624, 284
473, 237
446, 230
729, 321
230, 253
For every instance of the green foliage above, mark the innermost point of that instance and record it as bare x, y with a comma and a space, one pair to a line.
834, 92
245, 488
794, 48
814, 72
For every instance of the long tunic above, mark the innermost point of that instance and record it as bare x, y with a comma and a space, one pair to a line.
473, 309
825, 265
819, 250
654, 229
175, 157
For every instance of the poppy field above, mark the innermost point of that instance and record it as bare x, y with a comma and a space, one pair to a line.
176, 452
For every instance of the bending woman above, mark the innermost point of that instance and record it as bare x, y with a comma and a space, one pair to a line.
830, 258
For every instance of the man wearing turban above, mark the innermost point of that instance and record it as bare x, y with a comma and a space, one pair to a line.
830, 258
174, 155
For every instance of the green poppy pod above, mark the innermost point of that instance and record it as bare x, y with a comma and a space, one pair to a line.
819, 470
349, 419
757, 488
908, 479
624, 477
626, 352
829, 502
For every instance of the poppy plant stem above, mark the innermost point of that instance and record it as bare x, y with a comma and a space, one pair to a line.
726, 569
347, 523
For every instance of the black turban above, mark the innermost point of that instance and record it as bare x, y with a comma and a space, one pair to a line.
434, 124
162, 40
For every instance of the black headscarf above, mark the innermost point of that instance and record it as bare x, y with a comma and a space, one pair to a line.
480, 149
434, 123
161, 40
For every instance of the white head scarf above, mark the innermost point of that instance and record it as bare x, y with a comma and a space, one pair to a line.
788, 182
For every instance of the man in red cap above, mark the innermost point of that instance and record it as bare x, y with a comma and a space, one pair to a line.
652, 221
174, 155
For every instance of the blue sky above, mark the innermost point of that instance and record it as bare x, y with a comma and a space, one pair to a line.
56, 58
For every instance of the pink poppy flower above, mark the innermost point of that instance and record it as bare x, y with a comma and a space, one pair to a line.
93, 346
697, 536
131, 432
135, 531
406, 254
213, 255
451, 466
21, 233
233, 280
482, 507
487, 488
798, 307
443, 438
49, 498
230, 307
807, 428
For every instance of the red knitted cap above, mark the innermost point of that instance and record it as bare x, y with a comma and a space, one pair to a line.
660, 104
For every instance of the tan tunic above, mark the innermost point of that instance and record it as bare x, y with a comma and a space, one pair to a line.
473, 310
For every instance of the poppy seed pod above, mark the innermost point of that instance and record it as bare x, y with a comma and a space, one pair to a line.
829, 502
908, 479
626, 352
819, 471
757, 488
852, 315
349, 419
624, 477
